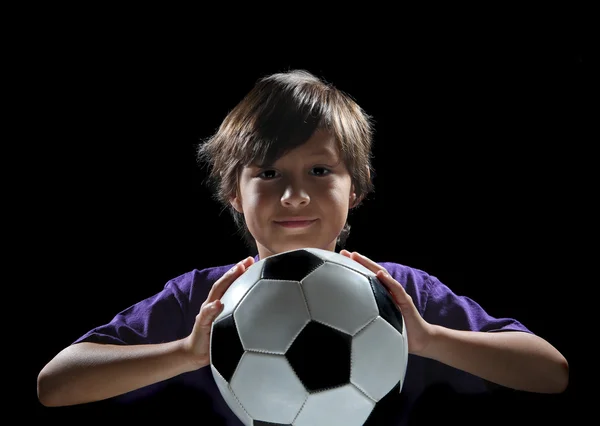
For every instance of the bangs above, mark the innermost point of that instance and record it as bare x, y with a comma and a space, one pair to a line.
282, 119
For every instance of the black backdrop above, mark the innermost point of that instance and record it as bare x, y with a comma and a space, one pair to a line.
477, 146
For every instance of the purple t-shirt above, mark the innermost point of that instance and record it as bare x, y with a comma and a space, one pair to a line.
170, 315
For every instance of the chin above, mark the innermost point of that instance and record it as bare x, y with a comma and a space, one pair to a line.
299, 244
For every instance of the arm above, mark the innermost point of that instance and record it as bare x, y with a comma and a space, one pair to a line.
87, 372
515, 359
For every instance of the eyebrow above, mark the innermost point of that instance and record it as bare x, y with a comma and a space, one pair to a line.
322, 152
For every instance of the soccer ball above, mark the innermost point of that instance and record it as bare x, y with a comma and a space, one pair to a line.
307, 337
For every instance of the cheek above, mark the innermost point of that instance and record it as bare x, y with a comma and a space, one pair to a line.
338, 198
258, 197
339, 193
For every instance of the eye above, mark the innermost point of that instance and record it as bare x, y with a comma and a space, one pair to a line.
267, 174
321, 171
270, 174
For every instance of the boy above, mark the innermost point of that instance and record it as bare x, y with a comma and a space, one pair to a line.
289, 162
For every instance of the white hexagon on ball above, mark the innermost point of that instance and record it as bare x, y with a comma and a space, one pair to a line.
376, 372
354, 406
345, 303
230, 398
238, 289
271, 315
267, 387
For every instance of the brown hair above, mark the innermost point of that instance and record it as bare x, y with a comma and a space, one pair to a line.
281, 112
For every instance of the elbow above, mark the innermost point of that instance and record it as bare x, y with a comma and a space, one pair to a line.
47, 392
556, 378
552, 372
562, 376
43, 392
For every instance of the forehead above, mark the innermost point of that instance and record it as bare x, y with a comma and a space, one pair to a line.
322, 144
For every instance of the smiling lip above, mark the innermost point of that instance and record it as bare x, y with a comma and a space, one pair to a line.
295, 223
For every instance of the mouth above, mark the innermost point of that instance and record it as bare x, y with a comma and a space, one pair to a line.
296, 223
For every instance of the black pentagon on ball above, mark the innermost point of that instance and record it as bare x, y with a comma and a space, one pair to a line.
320, 356
388, 310
293, 266
226, 347
261, 423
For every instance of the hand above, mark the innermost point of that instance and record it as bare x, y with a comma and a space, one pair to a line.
419, 332
198, 342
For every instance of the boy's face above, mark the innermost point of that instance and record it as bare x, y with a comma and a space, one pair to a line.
310, 182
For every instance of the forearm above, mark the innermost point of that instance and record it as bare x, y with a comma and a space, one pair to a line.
516, 360
88, 372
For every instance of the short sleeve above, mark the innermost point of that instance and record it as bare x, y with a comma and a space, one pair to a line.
444, 307
157, 319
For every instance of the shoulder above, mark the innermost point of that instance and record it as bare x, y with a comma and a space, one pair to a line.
190, 289
439, 304
197, 279
416, 282
406, 274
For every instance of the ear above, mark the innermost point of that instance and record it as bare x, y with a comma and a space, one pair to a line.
354, 200
236, 203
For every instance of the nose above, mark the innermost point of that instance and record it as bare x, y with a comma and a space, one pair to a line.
294, 197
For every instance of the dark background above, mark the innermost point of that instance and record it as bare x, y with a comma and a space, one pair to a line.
480, 159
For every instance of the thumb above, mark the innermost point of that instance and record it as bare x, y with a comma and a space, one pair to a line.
209, 313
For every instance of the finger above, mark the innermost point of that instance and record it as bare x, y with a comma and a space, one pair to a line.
346, 253
400, 296
209, 313
365, 261
222, 284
